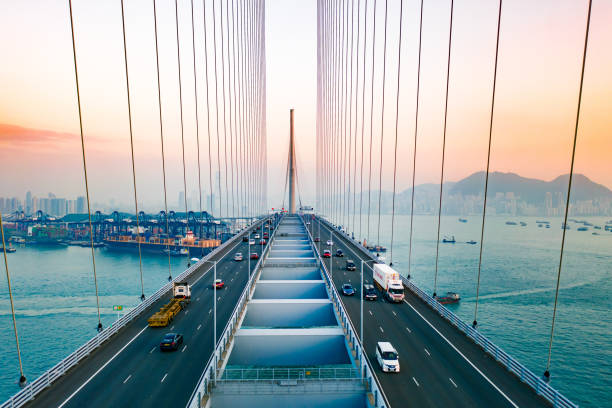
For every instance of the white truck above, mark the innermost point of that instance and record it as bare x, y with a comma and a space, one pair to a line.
181, 290
389, 281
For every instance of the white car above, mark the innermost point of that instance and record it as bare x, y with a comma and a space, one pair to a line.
330, 242
387, 357
252, 242
256, 236
238, 256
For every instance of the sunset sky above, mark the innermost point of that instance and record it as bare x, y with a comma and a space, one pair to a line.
540, 53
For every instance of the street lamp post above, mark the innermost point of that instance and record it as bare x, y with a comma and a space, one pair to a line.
361, 312
214, 313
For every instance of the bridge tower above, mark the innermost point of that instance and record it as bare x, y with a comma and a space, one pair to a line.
291, 165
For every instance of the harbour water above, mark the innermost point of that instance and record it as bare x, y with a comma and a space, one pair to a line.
56, 306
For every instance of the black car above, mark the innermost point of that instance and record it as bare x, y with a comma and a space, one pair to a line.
245, 238
350, 265
339, 253
369, 293
171, 341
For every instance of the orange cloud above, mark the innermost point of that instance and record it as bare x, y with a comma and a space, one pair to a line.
18, 136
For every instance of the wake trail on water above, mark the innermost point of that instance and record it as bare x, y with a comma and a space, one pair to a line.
527, 291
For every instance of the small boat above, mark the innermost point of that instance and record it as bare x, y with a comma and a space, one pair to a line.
9, 250
195, 259
582, 229
451, 297
523, 224
472, 242
539, 225
462, 220
449, 240
566, 227
543, 222
377, 248
510, 223
547, 225
597, 227
594, 233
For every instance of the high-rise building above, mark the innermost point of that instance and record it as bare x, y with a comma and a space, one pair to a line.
80, 205
28, 203
181, 200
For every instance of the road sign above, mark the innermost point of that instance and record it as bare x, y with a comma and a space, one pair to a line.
117, 308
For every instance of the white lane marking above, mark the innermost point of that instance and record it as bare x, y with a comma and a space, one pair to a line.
210, 311
128, 377
464, 357
370, 312
428, 353
197, 299
381, 329
394, 314
172, 328
186, 311
409, 331
102, 368
152, 350
184, 348
415, 381
451, 380
165, 375
199, 326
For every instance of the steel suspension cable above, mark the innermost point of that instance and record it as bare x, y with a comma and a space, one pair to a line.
344, 109
399, 67
224, 112
214, 17
229, 95
76, 77
382, 122
178, 55
356, 115
450, 38
129, 106
161, 135
22, 378
238, 160
569, 190
243, 133
365, 44
416, 131
212, 201
486, 189
371, 116
350, 124
197, 113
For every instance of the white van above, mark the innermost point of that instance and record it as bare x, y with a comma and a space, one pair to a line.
387, 357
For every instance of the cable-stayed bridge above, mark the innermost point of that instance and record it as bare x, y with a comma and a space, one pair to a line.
275, 329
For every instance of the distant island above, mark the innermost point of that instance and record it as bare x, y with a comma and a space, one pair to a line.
509, 194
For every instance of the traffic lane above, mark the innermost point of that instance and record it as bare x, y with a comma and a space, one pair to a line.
144, 362
75, 378
155, 381
507, 383
417, 383
435, 379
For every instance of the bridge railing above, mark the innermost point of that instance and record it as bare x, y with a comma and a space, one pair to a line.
292, 373
48, 377
380, 400
207, 378
540, 386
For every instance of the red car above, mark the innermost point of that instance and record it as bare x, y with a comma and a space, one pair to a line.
219, 284
327, 253
265, 235
262, 242
317, 239
254, 255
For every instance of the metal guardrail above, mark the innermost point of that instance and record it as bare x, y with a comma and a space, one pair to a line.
368, 375
292, 373
208, 375
48, 377
540, 386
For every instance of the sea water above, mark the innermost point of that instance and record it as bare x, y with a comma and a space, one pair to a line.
56, 308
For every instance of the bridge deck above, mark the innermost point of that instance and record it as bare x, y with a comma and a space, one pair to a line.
129, 370
440, 366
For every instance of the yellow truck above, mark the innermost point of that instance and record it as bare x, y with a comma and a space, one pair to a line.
181, 297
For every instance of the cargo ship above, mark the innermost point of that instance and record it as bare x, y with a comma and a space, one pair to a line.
175, 246
451, 297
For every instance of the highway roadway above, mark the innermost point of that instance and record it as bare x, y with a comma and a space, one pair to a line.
440, 366
130, 370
